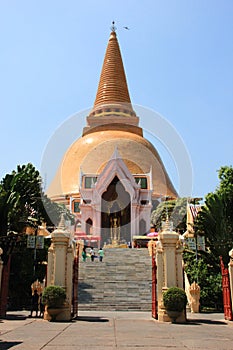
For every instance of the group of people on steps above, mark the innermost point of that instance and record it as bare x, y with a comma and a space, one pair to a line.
92, 254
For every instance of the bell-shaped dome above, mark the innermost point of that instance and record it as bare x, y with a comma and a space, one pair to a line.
90, 154
111, 123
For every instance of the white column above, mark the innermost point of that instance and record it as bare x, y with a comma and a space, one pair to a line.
133, 220
69, 274
179, 266
169, 240
160, 269
50, 266
146, 215
97, 218
60, 250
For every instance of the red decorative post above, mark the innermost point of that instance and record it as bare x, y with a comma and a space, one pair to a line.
154, 308
5, 287
75, 288
226, 292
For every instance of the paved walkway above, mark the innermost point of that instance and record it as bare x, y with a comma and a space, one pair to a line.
115, 330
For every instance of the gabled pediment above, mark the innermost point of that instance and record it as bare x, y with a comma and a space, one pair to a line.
117, 167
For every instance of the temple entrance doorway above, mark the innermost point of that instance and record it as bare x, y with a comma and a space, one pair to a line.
115, 215
89, 227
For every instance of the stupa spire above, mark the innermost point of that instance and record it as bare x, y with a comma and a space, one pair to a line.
112, 84
112, 103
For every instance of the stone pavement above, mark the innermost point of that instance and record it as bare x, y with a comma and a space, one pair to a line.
96, 330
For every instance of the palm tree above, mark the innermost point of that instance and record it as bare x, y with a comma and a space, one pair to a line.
215, 221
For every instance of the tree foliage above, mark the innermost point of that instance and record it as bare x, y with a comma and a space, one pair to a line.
21, 197
23, 203
206, 272
225, 175
174, 209
215, 220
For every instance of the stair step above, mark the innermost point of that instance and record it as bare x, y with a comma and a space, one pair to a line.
121, 282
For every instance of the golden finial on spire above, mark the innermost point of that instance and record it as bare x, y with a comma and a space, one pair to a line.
113, 27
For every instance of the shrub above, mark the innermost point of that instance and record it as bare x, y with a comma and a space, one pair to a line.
174, 299
54, 296
206, 272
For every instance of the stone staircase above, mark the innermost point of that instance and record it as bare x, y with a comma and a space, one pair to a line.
122, 282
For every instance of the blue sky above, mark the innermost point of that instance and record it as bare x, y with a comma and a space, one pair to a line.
178, 59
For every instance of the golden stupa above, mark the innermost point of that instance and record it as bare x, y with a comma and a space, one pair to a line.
111, 124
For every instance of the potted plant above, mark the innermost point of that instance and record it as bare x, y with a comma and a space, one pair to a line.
53, 298
174, 300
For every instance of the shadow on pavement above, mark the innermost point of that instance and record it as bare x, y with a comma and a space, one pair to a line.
91, 319
15, 317
4, 345
197, 321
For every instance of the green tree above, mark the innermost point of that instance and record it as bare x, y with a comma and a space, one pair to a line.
215, 220
205, 270
176, 211
23, 203
8, 203
225, 175
21, 197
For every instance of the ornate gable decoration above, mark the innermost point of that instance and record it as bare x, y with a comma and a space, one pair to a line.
117, 167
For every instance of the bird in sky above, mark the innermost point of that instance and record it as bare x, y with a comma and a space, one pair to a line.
126, 28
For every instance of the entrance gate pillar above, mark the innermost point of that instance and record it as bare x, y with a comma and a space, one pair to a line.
169, 267
60, 265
